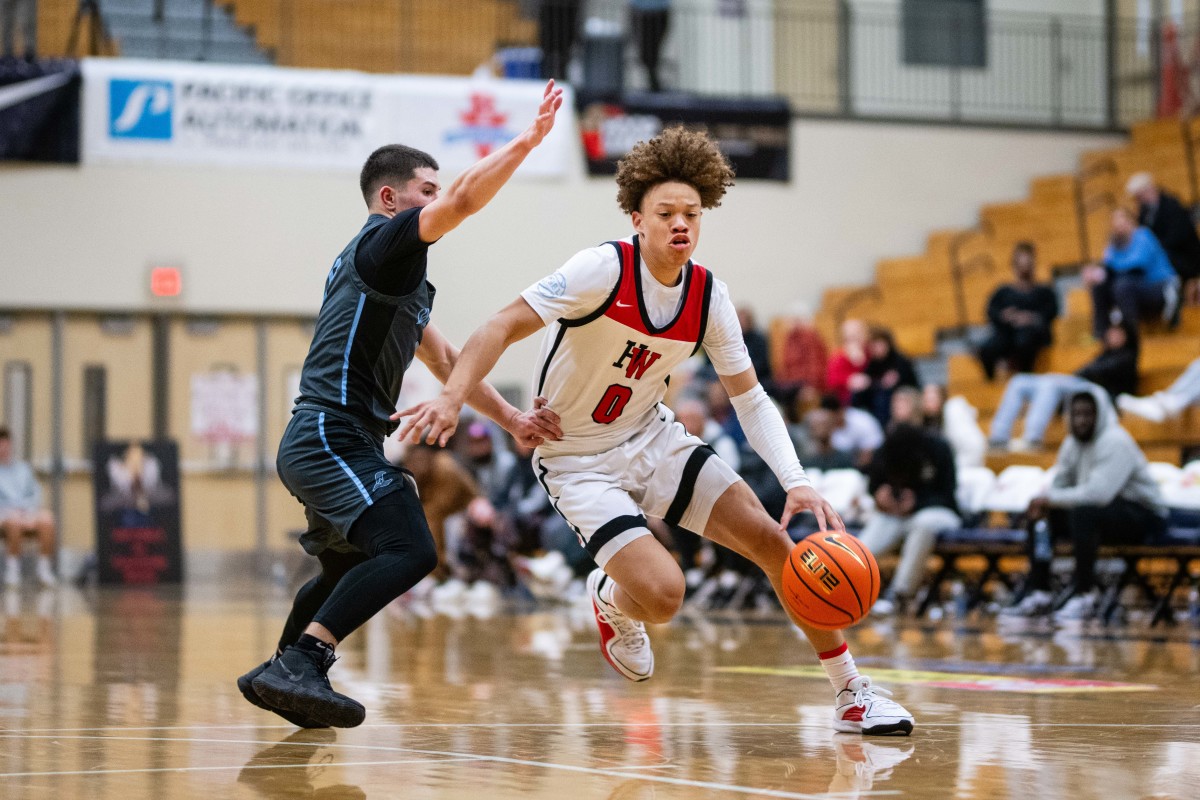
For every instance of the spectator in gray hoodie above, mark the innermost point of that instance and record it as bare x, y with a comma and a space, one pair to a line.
1102, 494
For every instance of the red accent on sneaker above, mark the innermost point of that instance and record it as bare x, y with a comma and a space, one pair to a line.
854, 714
835, 652
606, 634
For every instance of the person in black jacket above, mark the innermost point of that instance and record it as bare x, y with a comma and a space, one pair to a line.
1114, 370
1172, 225
913, 481
887, 369
1021, 314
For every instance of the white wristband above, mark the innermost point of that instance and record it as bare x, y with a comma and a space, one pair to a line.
767, 434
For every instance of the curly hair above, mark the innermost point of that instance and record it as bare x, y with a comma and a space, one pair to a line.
676, 154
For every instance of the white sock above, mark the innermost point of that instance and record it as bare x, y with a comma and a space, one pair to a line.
43, 562
606, 591
839, 666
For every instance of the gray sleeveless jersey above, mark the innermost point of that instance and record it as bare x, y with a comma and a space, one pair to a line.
363, 343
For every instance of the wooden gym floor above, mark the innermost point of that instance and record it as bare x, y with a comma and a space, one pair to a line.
130, 694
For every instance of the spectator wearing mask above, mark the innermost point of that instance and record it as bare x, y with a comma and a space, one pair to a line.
1166, 217
1102, 493
1136, 279
1114, 370
913, 481
887, 370
1020, 314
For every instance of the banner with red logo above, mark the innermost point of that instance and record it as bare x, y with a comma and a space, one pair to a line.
182, 112
754, 133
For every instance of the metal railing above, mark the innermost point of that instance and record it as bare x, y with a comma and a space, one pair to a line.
846, 58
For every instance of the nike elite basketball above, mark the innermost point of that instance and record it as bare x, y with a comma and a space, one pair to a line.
830, 580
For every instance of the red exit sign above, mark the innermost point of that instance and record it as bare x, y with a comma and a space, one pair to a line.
166, 281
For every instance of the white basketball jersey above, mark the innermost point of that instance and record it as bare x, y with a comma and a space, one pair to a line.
604, 374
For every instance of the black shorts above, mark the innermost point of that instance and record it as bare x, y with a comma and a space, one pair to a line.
336, 468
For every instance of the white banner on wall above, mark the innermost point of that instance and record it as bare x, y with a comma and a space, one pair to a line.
190, 113
224, 407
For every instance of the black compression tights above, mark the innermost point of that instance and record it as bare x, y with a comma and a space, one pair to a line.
397, 552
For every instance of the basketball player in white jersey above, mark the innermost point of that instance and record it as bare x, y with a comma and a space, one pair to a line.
620, 318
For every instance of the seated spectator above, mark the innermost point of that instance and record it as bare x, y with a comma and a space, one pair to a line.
22, 514
1021, 314
845, 372
913, 481
907, 407
887, 369
1172, 225
692, 413
1102, 493
1136, 279
757, 348
1170, 402
488, 542
856, 432
822, 424
956, 420
488, 463
446, 488
756, 345
1114, 370
721, 410
803, 363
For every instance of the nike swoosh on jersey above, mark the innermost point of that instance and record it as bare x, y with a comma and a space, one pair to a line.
624, 305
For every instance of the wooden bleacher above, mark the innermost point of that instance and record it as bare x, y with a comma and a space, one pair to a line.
420, 36
1067, 217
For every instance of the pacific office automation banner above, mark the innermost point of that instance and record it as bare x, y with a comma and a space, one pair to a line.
137, 512
39, 110
753, 134
180, 112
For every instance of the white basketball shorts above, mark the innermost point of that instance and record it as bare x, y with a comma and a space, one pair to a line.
662, 471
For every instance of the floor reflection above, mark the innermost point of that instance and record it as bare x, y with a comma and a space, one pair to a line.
128, 695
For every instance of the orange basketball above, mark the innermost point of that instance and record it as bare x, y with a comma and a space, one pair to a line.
830, 580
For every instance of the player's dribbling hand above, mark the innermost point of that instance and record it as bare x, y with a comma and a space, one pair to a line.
437, 419
532, 427
805, 498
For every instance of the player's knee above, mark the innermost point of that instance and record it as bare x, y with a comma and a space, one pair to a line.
666, 600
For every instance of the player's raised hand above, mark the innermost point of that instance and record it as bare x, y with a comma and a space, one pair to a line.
805, 498
552, 100
536, 425
434, 420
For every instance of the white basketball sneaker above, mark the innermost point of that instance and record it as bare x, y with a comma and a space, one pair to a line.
623, 641
863, 708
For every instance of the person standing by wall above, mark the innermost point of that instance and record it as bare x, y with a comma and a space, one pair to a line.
649, 20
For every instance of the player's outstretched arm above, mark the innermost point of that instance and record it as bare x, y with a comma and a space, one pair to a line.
530, 428
438, 418
767, 434
476, 186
